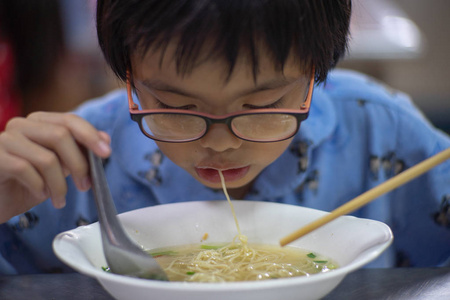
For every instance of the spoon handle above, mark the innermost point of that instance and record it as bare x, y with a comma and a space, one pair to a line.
107, 213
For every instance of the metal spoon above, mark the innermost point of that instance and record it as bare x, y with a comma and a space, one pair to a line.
122, 255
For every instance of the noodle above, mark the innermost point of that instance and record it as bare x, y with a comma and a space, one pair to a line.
238, 261
241, 237
224, 188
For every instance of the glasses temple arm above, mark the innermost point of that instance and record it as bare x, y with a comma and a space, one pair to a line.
131, 104
307, 103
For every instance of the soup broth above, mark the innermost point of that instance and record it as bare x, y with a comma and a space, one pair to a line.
238, 262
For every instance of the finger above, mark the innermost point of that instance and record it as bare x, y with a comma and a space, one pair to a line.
66, 171
83, 132
105, 137
22, 186
58, 139
45, 162
13, 167
67, 127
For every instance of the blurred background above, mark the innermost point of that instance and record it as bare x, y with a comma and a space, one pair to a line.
405, 43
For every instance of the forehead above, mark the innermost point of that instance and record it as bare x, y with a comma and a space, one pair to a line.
164, 61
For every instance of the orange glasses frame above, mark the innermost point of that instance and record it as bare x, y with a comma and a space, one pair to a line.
304, 108
301, 114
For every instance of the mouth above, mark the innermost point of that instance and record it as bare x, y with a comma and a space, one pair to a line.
212, 175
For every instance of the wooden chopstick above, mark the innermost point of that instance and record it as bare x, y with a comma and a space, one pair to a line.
370, 195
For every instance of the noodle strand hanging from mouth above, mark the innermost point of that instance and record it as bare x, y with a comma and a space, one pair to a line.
224, 188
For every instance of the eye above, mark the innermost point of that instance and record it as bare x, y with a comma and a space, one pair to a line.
162, 105
276, 104
153, 101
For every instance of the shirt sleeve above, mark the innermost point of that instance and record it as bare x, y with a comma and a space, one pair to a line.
421, 208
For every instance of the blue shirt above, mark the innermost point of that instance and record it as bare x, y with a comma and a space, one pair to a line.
359, 134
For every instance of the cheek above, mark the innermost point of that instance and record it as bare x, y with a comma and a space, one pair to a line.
268, 153
180, 154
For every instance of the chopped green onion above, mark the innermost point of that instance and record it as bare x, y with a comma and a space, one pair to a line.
106, 269
311, 255
320, 261
190, 273
161, 253
331, 267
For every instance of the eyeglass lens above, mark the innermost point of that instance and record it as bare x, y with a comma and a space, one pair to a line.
256, 127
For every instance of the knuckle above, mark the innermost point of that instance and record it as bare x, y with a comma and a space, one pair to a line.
70, 117
60, 133
18, 168
5, 137
47, 160
36, 115
14, 123
71, 120
80, 170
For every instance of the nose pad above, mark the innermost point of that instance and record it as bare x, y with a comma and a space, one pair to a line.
219, 138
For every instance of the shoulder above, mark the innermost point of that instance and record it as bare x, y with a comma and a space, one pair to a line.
356, 96
350, 86
371, 112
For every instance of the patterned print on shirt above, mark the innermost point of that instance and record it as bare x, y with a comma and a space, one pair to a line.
82, 222
399, 166
300, 149
26, 221
442, 216
152, 175
392, 165
388, 163
374, 166
156, 158
361, 102
311, 182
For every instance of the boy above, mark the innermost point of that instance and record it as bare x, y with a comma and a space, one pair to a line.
225, 85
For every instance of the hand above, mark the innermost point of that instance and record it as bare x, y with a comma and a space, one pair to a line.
37, 153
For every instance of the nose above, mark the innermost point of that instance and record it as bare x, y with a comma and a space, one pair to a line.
219, 138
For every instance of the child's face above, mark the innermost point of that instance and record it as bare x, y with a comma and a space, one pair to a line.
206, 89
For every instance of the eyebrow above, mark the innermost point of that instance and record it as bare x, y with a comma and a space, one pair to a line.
156, 84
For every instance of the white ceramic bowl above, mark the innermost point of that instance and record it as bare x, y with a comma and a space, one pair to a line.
351, 242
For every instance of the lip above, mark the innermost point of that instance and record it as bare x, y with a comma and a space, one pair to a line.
212, 174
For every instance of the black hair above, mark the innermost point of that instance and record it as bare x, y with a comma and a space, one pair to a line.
315, 31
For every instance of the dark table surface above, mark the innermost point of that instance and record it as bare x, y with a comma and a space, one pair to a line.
366, 284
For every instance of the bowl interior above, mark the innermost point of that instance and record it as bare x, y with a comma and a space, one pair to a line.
351, 242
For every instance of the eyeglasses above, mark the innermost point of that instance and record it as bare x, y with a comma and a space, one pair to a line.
256, 125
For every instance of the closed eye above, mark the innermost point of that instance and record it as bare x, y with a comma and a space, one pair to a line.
276, 104
161, 105
165, 106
